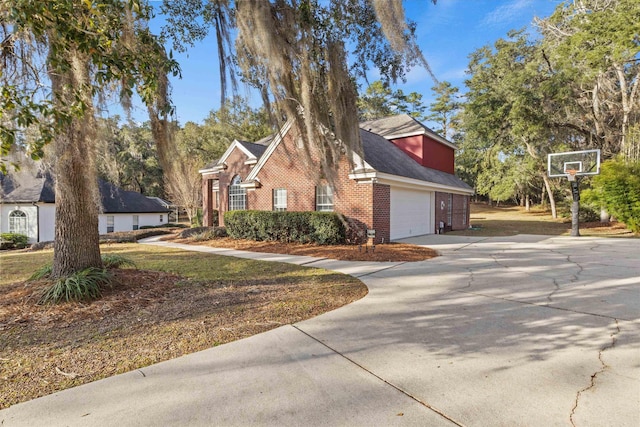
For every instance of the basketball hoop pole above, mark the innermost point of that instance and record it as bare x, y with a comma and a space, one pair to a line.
573, 165
575, 206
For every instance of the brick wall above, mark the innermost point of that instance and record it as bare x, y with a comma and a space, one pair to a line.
459, 206
236, 166
382, 212
208, 201
286, 168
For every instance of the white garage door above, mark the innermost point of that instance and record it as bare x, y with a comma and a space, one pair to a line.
410, 213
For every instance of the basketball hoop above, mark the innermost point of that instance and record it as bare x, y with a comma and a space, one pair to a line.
571, 174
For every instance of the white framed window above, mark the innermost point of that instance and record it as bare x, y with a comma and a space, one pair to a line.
324, 198
110, 222
450, 210
161, 218
136, 222
279, 199
18, 222
237, 195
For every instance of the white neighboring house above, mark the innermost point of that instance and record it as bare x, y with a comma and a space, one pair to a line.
27, 206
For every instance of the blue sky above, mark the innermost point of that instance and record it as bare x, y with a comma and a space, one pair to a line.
447, 33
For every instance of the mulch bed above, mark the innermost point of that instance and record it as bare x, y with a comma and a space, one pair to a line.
388, 252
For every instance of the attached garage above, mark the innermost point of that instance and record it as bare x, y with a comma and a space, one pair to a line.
411, 213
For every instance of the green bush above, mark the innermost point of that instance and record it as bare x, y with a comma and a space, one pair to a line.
13, 241
325, 228
617, 189
587, 213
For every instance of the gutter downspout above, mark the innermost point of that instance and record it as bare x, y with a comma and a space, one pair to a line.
37, 221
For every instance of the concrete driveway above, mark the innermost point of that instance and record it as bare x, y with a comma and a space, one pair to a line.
513, 331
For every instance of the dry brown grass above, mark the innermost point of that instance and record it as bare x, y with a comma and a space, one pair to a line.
197, 302
512, 220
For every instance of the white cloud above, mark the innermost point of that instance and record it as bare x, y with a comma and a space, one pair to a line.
506, 13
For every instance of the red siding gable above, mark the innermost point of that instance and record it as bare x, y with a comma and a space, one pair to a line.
428, 152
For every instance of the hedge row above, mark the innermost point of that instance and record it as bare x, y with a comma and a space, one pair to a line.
13, 241
324, 228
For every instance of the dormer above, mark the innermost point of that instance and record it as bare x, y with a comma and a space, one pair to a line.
422, 144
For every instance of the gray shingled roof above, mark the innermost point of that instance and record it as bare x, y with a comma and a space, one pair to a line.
393, 126
385, 157
117, 200
24, 187
256, 148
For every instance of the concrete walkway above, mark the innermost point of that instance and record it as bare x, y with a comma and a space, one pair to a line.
509, 331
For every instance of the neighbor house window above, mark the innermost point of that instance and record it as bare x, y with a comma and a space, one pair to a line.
18, 222
237, 195
110, 222
450, 211
161, 218
135, 222
324, 198
280, 199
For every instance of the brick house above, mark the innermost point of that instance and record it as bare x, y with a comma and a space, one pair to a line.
402, 186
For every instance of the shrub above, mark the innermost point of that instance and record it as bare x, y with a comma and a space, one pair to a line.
356, 232
167, 225
81, 286
132, 236
587, 213
42, 245
190, 232
325, 228
13, 241
617, 189
116, 261
203, 233
41, 273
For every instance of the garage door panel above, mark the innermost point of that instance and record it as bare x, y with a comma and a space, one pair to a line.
410, 213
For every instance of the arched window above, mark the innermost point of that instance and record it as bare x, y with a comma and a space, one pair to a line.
237, 195
18, 222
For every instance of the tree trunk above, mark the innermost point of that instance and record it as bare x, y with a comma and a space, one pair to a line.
76, 244
527, 203
552, 200
628, 101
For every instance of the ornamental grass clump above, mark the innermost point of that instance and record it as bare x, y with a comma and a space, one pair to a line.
116, 261
84, 285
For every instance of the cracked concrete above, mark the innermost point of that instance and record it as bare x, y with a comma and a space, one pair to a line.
592, 383
522, 330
